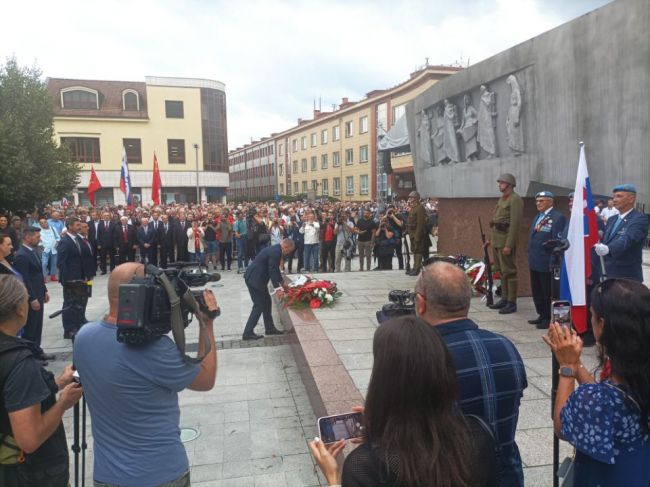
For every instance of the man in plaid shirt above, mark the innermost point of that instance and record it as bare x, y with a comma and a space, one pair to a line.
490, 371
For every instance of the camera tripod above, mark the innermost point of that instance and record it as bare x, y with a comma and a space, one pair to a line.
76, 448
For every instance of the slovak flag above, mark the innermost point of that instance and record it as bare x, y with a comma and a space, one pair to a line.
125, 179
582, 236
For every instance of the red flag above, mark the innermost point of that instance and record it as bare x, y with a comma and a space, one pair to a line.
93, 185
157, 183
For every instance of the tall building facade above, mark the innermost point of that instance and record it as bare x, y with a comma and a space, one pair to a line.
181, 120
253, 170
335, 153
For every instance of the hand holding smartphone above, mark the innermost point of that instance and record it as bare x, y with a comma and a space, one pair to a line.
561, 313
340, 427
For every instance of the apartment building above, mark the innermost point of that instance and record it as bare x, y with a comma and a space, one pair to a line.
252, 170
181, 120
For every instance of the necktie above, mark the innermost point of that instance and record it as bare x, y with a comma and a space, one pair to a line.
125, 234
614, 227
76, 241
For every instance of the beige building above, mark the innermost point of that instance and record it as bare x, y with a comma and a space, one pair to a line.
335, 153
181, 120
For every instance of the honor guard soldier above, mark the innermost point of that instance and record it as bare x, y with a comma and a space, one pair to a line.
505, 230
548, 225
417, 227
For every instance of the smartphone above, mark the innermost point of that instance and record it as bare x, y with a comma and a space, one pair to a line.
340, 427
561, 311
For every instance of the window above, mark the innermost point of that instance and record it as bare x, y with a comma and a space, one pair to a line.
281, 188
133, 150
314, 185
130, 101
294, 145
348, 129
349, 185
174, 109
304, 165
314, 139
336, 133
323, 137
280, 149
323, 161
281, 169
295, 167
363, 184
295, 187
83, 149
398, 111
337, 186
349, 156
176, 151
325, 189
382, 116
363, 125
336, 159
314, 163
303, 142
80, 99
304, 186
363, 153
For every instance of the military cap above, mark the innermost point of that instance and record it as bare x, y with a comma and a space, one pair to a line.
414, 194
544, 194
628, 188
507, 178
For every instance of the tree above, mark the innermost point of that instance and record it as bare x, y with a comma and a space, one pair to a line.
33, 169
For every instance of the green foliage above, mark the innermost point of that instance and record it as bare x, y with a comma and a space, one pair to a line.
34, 170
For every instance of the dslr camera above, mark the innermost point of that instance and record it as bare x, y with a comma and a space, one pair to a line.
145, 304
402, 303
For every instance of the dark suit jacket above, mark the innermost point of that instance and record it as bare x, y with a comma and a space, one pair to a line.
180, 234
89, 258
265, 266
156, 230
28, 263
165, 238
92, 234
626, 245
105, 234
148, 237
549, 228
69, 260
118, 236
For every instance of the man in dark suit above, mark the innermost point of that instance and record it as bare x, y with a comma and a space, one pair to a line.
622, 244
124, 240
105, 237
146, 238
265, 267
180, 237
93, 230
73, 276
165, 239
154, 226
88, 260
28, 263
548, 225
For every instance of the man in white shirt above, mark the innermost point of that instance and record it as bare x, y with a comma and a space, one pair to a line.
610, 211
49, 240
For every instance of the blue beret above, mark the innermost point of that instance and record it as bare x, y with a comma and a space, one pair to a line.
571, 194
629, 188
544, 194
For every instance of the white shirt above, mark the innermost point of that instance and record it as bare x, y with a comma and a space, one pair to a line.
607, 213
310, 230
49, 238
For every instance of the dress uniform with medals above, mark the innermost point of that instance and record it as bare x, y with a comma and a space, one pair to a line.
505, 231
548, 225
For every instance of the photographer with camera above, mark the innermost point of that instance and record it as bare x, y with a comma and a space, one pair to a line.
132, 393
328, 242
385, 241
344, 231
395, 223
33, 448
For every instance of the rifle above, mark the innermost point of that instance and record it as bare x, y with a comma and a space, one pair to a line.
488, 267
405, 242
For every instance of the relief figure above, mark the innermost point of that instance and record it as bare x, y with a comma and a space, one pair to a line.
514, 132
486, 122
439, 135
469, 128
450, 143
424, 139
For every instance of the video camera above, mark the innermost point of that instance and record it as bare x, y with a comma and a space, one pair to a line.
145, 309
402, 303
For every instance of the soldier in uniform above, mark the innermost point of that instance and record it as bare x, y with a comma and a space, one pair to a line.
547, 225
505, 230
417, 227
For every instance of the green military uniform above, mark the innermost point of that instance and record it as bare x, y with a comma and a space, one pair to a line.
506, 223
417, 227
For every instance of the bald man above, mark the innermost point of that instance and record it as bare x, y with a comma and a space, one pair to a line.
132, 393
490, 371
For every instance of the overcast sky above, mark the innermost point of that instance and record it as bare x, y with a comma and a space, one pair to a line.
277, 56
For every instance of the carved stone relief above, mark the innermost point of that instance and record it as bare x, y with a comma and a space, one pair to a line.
514, 132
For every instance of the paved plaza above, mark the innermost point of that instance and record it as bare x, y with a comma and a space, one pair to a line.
254, 425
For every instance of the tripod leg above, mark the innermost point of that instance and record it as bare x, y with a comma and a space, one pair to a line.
75, 444
84, 445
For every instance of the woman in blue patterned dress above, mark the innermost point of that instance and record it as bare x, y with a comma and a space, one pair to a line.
608, 422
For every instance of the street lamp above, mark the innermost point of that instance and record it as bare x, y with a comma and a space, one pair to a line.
198, 191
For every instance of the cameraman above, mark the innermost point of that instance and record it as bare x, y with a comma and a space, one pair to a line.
385, 240
395, 223
132, 393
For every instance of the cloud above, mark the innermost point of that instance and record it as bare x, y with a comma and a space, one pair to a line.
275, 57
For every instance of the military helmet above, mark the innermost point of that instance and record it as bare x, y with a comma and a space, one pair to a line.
414, 194
507, 178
